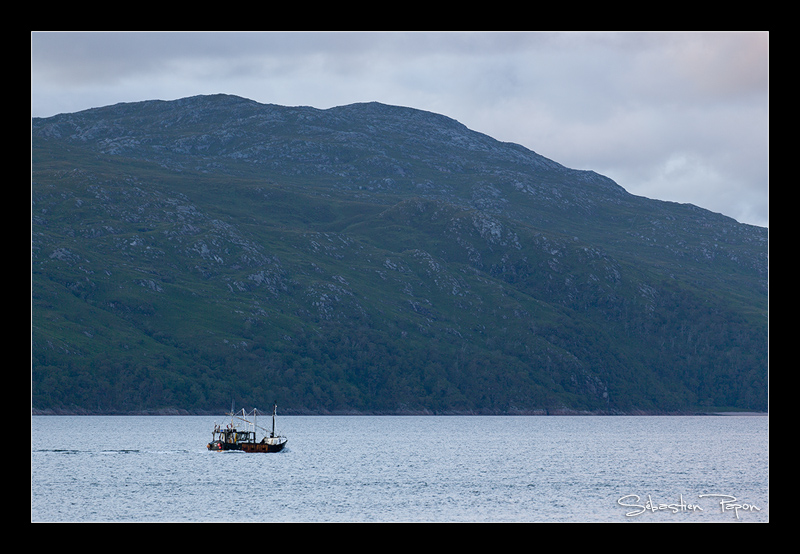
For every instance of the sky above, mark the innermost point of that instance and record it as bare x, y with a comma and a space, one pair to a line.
677, 116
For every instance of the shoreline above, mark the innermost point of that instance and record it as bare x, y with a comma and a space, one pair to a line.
544, 413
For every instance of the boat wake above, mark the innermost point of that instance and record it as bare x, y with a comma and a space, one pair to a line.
108, 451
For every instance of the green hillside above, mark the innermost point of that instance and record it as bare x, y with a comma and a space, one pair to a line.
370, 259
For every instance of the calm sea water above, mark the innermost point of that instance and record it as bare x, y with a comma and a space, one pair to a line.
405, 469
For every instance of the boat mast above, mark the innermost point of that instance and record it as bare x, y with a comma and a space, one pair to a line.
274, 409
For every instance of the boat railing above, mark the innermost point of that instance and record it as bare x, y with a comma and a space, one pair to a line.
243, 422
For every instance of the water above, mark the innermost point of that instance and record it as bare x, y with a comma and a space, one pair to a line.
404, 469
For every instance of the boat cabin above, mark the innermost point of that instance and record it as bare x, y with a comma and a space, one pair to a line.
231, 435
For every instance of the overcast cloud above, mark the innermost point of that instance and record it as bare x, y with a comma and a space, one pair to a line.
673, 116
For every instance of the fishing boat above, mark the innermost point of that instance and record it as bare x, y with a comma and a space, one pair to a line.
240, 434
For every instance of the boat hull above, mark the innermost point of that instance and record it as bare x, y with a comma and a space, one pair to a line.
261, 447
219, 446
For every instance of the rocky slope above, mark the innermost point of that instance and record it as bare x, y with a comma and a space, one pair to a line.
371, 258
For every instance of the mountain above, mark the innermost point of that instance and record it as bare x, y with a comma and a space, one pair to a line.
370, 259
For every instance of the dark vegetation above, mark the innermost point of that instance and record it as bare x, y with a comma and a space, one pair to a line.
371, 259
